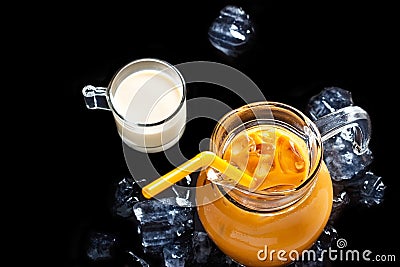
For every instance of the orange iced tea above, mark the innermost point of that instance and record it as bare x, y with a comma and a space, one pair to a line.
273, 157
277, 160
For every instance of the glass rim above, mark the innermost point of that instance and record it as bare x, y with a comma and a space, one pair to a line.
313, 171
168, 66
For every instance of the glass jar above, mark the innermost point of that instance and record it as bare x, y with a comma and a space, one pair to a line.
273, 227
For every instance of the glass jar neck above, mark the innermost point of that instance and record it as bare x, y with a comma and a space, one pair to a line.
272, 115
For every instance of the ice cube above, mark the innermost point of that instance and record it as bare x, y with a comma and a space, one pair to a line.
101, 246
342, 162
238, 152
127, 194
242, 143
261, 171
328, 100
136, 261
232, 31
175, 255
290, 159
340, 201
368, 189
162, 222
327, 237
201, 247
373, 190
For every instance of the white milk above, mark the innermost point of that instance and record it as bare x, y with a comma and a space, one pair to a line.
150, 97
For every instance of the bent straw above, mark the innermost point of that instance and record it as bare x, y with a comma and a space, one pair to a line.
203, 159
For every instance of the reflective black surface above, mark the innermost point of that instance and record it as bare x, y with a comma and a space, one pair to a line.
298, 50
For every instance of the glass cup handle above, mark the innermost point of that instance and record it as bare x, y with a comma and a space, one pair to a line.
348, 117
95, 97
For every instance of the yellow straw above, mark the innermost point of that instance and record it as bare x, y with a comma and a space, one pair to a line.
201, 160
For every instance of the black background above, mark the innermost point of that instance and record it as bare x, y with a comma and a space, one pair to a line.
299, 49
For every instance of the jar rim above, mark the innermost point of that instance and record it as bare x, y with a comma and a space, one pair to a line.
300, 190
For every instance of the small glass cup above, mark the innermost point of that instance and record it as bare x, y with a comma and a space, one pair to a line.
147, 98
